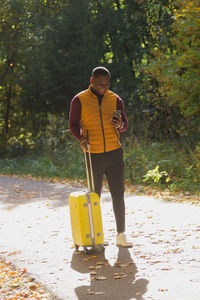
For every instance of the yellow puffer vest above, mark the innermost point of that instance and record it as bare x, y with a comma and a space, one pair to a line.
95, 121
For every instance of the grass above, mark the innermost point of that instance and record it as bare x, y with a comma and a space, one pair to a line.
180, 163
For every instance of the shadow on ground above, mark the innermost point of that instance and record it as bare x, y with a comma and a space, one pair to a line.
18, 191
109, 282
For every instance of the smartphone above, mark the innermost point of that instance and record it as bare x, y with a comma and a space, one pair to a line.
118, 113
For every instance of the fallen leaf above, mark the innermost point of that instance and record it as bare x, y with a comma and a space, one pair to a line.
89, 292
99, 278
119, 275
177, 250
33, 287
123, 265
99, 263
93, 273
16, 281
24, 270
91, 267
14, 253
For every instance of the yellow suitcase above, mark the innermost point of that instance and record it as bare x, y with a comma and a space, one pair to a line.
85, 215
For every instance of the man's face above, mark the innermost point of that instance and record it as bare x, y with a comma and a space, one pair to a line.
100, 83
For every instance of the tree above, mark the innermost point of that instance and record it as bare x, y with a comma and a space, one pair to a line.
49, 48
177, 69
12, 33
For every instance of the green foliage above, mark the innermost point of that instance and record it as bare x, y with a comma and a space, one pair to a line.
51, 56
180, 165
42, 167
186, 58
181, 168
177, 68
155, 174
56, 153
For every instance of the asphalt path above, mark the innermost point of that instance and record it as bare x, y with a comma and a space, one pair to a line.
164, 263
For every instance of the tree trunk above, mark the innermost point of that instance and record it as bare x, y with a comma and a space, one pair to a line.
4, 74
166, 122
8, 109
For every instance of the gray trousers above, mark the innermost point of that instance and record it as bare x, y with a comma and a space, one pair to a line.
112, 165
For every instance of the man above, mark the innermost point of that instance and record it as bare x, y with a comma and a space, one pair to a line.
91, 122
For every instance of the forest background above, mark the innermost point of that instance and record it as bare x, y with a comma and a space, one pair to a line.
48, 49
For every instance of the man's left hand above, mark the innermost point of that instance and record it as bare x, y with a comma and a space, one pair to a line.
117, 122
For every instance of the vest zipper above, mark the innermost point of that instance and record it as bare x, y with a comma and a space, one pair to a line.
102, 128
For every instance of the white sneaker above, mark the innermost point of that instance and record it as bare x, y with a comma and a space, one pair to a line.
121, 240
105, 243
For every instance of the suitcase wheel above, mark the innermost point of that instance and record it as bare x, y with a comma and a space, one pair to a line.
100, 249
85, 250
77, 247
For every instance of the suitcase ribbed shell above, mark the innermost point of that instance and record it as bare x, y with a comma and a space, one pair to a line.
80, 219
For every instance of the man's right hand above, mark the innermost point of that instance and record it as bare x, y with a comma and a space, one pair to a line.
84, 143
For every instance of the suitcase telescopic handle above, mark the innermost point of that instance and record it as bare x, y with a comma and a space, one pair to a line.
89, 170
